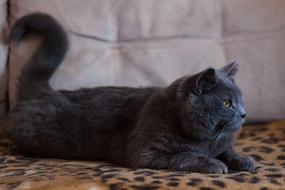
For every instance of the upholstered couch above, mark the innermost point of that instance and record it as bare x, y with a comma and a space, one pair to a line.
147, 42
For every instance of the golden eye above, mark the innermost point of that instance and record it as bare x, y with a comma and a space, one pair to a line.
227, 103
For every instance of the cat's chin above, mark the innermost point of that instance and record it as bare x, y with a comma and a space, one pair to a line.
233, 128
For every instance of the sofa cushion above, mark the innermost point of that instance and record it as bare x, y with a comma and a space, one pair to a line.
140, 43
265, 143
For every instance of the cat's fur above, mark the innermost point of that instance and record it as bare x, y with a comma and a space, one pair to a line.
184, 126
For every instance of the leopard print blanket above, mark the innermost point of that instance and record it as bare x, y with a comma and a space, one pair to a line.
265, 143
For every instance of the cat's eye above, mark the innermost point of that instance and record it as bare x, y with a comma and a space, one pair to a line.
227, 103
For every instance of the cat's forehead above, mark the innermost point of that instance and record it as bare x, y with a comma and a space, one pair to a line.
227, 85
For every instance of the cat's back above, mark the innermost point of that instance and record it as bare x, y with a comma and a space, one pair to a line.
118, 105
109, 94
108, 101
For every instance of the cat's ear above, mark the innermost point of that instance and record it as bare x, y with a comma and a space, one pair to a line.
204, 79
196, 84
231, 69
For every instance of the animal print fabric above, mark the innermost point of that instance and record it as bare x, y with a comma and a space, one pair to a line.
265, 143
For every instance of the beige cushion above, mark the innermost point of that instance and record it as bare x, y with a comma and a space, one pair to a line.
140, 43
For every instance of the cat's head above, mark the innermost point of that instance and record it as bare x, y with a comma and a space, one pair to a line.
211, 102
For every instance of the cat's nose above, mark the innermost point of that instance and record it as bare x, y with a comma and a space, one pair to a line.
242, 112
243, 115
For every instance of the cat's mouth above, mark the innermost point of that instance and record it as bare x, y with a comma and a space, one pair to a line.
223, 129
228, 127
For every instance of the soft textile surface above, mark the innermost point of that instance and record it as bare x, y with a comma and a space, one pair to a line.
265, 143
147, 42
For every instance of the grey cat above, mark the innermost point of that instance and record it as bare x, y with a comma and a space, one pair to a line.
189, 125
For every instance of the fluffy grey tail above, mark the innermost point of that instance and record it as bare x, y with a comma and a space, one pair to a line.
34, 77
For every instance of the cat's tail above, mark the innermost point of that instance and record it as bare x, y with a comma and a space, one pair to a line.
44, 61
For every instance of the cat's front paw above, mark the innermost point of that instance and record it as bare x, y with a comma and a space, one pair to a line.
214, 166
244, 163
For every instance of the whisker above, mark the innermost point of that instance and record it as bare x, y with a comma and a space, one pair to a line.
219, 131
219, 135
216, 135
217, 139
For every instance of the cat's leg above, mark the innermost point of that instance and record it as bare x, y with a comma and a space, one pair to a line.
185, 161
237, 162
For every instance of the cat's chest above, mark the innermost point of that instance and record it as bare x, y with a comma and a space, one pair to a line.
208, 147
215, 148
